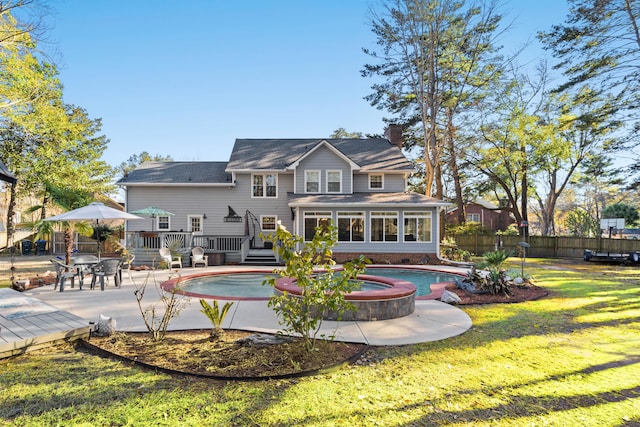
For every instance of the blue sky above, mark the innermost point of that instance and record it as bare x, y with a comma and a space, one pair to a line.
187, 78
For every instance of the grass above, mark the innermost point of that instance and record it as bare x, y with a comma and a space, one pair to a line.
570, 359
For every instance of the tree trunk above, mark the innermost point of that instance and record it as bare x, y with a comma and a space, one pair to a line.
453, 168
11, 210
68, 245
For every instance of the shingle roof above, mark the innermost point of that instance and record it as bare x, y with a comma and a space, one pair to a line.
178, 173
368, 199
278, 154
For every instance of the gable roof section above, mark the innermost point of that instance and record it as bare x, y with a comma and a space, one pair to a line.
372, 154
385, 200
324, 143
178, 173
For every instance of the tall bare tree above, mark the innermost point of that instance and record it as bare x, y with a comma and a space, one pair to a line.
436, 58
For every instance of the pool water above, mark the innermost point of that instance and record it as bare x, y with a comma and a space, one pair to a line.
246, 285
249, 285
423, 279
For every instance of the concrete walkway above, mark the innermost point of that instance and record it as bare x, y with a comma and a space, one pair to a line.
431, 321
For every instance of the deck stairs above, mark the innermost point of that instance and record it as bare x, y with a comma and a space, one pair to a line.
260, 257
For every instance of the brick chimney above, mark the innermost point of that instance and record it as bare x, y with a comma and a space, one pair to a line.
394, 135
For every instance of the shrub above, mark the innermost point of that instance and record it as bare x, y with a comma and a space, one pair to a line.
158, 316
215, 315
496, 281
322, 288
449, 250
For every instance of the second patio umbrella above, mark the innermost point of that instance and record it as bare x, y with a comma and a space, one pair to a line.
152, 212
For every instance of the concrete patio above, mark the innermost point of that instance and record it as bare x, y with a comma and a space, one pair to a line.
431, 321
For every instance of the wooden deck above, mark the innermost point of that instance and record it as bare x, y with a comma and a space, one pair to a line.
28, 324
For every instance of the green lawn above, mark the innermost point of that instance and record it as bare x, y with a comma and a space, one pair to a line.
571, 359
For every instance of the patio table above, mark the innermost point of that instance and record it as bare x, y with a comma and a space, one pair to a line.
84, 264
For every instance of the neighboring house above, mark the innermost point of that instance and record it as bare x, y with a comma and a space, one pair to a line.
358, 184
486, 213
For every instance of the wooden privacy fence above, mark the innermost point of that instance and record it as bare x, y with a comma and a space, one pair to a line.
545, 246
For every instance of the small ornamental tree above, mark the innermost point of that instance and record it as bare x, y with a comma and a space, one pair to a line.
323, 288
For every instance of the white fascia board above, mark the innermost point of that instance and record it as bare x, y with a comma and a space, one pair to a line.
235, 171
173, 184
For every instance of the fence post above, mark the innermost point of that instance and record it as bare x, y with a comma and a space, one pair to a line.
475, 244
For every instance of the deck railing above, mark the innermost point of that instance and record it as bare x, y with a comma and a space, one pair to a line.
180, 241
145, 240
218, 243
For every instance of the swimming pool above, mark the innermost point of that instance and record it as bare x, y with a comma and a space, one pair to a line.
247, 285
424, 279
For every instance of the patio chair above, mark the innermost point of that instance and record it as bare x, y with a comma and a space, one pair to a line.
64, 272
171, 260
198, 257
109, 267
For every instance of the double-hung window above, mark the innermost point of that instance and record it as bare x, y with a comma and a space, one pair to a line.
312, 220
417, 227
264, 185
334, 181
384, 226
163, 223
350, 226
473, 217
376, 182
311, 181
268, 222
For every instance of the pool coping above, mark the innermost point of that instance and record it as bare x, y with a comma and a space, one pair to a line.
437, 289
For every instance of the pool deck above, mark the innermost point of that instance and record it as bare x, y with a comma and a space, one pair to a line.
431, 321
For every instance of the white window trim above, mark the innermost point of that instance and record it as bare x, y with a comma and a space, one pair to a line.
339, 172
417, 215
275, 223
168, 222
381, 175
471, 215
317, 215
377, 214
189, 229
306, 180
264, 186
351, 215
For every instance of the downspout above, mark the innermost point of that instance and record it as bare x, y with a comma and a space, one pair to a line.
438, 215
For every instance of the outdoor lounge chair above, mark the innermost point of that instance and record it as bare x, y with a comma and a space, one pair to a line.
172, 261
109, 267
198, 257
64, 272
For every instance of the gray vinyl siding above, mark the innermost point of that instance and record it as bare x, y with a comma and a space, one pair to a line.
392, 183
212, 201
323, 160
380, 247
278, 206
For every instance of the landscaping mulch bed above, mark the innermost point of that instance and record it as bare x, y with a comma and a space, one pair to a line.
193, 352
519, 293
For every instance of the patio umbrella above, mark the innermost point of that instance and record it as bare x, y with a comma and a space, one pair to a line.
152, 212
94, 211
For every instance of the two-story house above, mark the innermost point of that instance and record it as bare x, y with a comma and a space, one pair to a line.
357, 184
